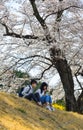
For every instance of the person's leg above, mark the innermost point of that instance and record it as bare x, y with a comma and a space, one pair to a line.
29, 97
42, 99
33, 97
49, 103
37, 96
48, 99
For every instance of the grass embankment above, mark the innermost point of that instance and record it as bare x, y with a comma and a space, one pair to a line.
20, 114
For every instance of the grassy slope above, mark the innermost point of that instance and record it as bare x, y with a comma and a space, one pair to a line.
20, 114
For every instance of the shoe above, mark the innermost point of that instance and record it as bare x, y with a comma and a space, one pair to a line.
39, 103
49, 108
52, 108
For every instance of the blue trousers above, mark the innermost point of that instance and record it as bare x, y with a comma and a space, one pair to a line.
46, 98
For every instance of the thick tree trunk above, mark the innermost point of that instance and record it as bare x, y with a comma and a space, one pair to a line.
65, 73
67, 80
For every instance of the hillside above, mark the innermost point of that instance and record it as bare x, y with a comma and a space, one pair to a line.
20, 114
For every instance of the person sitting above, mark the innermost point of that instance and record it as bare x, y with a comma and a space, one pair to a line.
44, 96
28, 92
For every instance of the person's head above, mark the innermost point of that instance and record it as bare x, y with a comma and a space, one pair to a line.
33, 83
43, 86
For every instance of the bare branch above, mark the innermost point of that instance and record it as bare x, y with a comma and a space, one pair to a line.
44, 72
12, 34
76, 74
10, 67
53, 13
34, 56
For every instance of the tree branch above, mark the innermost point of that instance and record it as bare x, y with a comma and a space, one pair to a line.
76, 74
53, 13
10, 67
21, 59
44, 72
41, 21
34, 56
12, 34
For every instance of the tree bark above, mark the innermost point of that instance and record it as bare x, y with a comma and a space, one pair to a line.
80, 102
65, 73
67, 80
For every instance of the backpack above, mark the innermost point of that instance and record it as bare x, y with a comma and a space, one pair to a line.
21, 90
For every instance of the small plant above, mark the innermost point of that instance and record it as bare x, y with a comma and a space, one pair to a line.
41, 119
57, 106
21, 110
20, 74
60, 104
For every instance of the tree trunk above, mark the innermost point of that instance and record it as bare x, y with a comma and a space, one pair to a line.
65, 73
80, 102
67, 80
